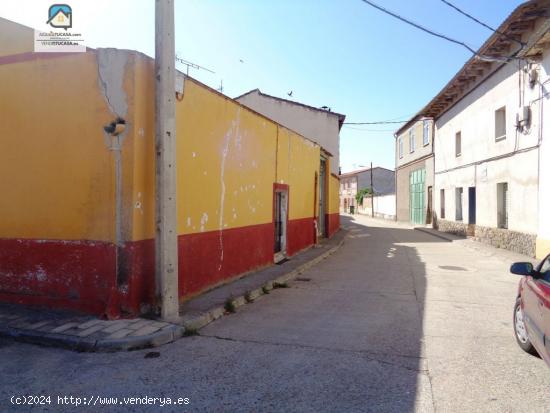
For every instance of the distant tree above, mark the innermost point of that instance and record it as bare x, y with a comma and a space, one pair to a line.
361, 194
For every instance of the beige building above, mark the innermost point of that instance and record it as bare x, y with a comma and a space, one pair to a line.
414, 171
490, 174
321, 125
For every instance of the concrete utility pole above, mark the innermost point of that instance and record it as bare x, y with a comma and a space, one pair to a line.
166, 241
371, 193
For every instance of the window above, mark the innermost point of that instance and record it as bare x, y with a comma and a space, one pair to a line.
500, 124
426, 132
458, 144
411, 140
442, 202
502, 205
458, 204
400, 143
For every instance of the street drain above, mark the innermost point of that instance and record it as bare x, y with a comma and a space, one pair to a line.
303, 279
452, 268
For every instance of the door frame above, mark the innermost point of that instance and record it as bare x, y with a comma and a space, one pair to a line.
283, 189
322, 229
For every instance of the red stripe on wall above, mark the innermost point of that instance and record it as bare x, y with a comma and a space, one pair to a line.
300, 234
77, 275
81, 275
333, 223
210, 258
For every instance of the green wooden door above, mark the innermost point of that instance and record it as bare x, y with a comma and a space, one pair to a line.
416, 191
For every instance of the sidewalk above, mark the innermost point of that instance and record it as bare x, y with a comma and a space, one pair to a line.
88, 333
443, 235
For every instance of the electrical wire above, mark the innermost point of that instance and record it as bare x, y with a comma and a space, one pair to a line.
370, 130
381, 122
441, 36
448, 3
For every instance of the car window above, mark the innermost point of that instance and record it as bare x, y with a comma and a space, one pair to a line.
545, 269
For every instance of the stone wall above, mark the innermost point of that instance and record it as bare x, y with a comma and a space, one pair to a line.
519, 242
452, 227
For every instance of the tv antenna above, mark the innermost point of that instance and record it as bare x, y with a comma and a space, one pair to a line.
192, 65
220, 89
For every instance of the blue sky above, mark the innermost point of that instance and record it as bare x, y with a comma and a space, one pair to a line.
337, 53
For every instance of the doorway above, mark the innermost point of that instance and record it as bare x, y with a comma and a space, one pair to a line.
416, 190
280, 214
429, 207
321, 232
472, 205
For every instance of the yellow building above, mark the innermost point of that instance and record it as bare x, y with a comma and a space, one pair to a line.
74, 235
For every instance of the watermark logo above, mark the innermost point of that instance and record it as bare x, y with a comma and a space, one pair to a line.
60, 16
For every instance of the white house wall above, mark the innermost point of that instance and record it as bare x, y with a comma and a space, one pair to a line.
485, 162
543, 240
319, 126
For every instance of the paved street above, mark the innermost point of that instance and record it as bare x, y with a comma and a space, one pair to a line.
397, 320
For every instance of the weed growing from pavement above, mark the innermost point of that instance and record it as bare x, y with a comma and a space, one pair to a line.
281, 285
229, 306
248, 297
265, 290
188, 332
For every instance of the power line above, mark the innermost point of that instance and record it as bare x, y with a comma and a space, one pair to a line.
382, 122
448, 3
441, 36
370, 130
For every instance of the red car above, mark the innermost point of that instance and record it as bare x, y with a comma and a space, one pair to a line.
532, 309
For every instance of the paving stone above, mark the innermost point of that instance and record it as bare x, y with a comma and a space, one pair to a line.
115, 327
137, 325
91, 330
120, 333
90, 323
143, 331
64, 327
35, 326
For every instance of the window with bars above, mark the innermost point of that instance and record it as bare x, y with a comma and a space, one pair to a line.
458, 201
500, 124
503, 200
426, 133
442, 202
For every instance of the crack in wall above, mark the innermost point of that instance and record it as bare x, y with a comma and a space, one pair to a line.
233, 131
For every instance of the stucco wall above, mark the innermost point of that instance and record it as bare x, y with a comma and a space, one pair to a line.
58, 233
320, 126
383, 180
403, 187
484, 162
543, 239
420, 149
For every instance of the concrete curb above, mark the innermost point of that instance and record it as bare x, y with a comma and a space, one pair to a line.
195, 322
437, 234
189, 323
83, 344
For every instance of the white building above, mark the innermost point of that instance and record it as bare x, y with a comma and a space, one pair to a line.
491, 178
320, 125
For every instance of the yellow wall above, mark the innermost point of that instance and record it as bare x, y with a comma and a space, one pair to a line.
334, 196
57, 174
228, 160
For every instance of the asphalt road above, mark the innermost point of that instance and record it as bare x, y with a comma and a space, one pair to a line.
395, 321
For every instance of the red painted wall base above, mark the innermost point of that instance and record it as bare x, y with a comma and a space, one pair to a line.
333, 223
81, 275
